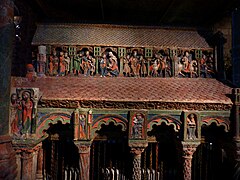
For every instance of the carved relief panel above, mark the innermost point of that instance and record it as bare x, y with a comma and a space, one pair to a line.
138, 125
23, 111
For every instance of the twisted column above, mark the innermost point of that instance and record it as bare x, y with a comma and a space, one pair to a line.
188, 149
136, 150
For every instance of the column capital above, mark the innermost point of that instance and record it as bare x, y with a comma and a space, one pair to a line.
83, 146
137, 147
189, 148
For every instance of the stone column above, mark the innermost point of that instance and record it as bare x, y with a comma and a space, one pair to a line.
188, 149
236, 47
137, 147
236, 171
7, 155
39, 174
137, 170
84, 159
27, 165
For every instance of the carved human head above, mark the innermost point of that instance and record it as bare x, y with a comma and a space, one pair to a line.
26, 95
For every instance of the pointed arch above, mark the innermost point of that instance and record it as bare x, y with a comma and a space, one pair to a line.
219, 121
106, 120
51, 118
168, 120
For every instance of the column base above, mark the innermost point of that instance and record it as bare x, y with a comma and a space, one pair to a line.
8, 166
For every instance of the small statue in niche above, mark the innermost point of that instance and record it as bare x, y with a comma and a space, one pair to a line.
82, 122
103, 65
77, 61
137, 126
67, 63
191, 127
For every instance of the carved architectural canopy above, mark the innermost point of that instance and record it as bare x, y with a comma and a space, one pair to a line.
113, 35
131, 93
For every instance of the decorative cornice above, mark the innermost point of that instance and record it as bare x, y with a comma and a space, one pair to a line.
134, 105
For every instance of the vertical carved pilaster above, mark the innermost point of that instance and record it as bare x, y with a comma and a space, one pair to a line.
84, 159
188, 149
136, 149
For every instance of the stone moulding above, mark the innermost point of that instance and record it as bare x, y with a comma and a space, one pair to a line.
56, 103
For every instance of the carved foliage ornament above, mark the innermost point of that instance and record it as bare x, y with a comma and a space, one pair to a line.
133, 105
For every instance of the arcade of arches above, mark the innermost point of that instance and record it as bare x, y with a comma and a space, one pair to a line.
160, 113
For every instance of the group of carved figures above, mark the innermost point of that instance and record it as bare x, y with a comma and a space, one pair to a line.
133, 65
22, 113
83, 63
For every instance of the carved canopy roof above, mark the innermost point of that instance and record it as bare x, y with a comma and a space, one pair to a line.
117, 35
121, 92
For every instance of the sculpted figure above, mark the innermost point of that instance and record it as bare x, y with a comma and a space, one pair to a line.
67, 63
27, 108
191, 127
82, 120
53, 64
61, 64
16, 115
31, 74
143, 70
126, 67
77, 61
113, 65
137, 127
86, 60
103, 65
135, 64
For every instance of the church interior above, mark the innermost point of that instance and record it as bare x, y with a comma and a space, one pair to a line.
120, 90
